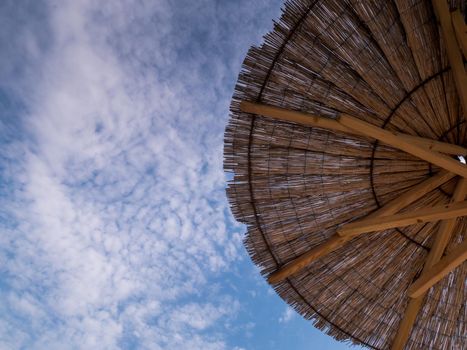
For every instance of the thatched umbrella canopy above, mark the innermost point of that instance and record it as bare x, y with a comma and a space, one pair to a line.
346, 141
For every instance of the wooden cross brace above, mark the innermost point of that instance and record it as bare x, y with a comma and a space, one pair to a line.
387, 216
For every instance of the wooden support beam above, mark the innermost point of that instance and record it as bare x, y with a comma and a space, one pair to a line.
287, 115
436, 146
442, 239
439, 270
453, 51
305, 259
415, 192
406, 325
443, 236
460, 28
408, 197
337, 241
312, 120
439, 212
393, 139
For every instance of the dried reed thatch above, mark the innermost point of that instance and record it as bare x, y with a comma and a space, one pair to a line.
383, 62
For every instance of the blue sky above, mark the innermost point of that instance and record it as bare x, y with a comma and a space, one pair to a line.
115, 229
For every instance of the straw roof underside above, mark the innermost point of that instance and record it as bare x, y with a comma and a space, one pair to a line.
383, 62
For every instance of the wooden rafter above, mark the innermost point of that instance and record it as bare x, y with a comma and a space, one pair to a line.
287, 115
460, 28
423, 148
439, 270
305, 259
442, 239
393, 139
435, 146
312, 120
436, 213
416, 192
405, 327
337, 241
452, 49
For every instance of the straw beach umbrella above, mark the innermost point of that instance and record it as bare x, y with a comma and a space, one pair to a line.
346, 141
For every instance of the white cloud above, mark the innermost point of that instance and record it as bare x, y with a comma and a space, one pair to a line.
118, 213
287, 316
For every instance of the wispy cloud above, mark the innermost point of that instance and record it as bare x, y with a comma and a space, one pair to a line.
287, 315
115, 215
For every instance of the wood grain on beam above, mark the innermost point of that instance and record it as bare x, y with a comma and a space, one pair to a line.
408, 197
439, 212
436, 146
312, 120
303, 260
406, 325
393, 139
439, 270
441, 8
306, 119
415, 192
